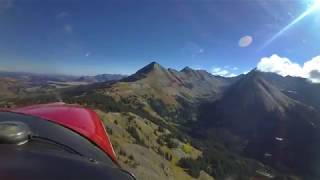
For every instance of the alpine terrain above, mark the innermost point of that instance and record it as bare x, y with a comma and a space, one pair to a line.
190, 124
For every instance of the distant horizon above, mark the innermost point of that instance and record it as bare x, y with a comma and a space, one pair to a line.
53, 74
78, 75
167, 68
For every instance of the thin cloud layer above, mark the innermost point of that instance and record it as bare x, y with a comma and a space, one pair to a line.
285, 67
222, 72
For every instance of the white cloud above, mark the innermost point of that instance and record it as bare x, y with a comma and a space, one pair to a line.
279, 65
245, 72
216, 69
197, 67
284, 66
231, 68
245, 41
231, 75
222, 72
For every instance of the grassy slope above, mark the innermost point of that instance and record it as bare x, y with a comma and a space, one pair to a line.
146, 161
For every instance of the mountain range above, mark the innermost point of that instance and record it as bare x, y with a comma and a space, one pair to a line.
45, 78
278, 121
255, 122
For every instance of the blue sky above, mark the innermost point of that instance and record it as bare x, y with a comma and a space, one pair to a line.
102, 36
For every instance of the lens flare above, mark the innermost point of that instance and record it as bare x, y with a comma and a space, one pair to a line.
315, 6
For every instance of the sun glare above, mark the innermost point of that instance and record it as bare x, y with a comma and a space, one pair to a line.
314, 6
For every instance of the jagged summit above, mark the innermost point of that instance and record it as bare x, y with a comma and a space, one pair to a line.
187, 81
254, 72
187, 69
197, 72
143, 72
253, 90
151, 67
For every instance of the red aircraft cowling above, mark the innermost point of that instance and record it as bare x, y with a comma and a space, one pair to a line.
81, 120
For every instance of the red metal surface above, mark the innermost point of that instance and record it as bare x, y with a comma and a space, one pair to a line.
82, 120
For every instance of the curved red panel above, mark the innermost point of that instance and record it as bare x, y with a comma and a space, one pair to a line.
82, 120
